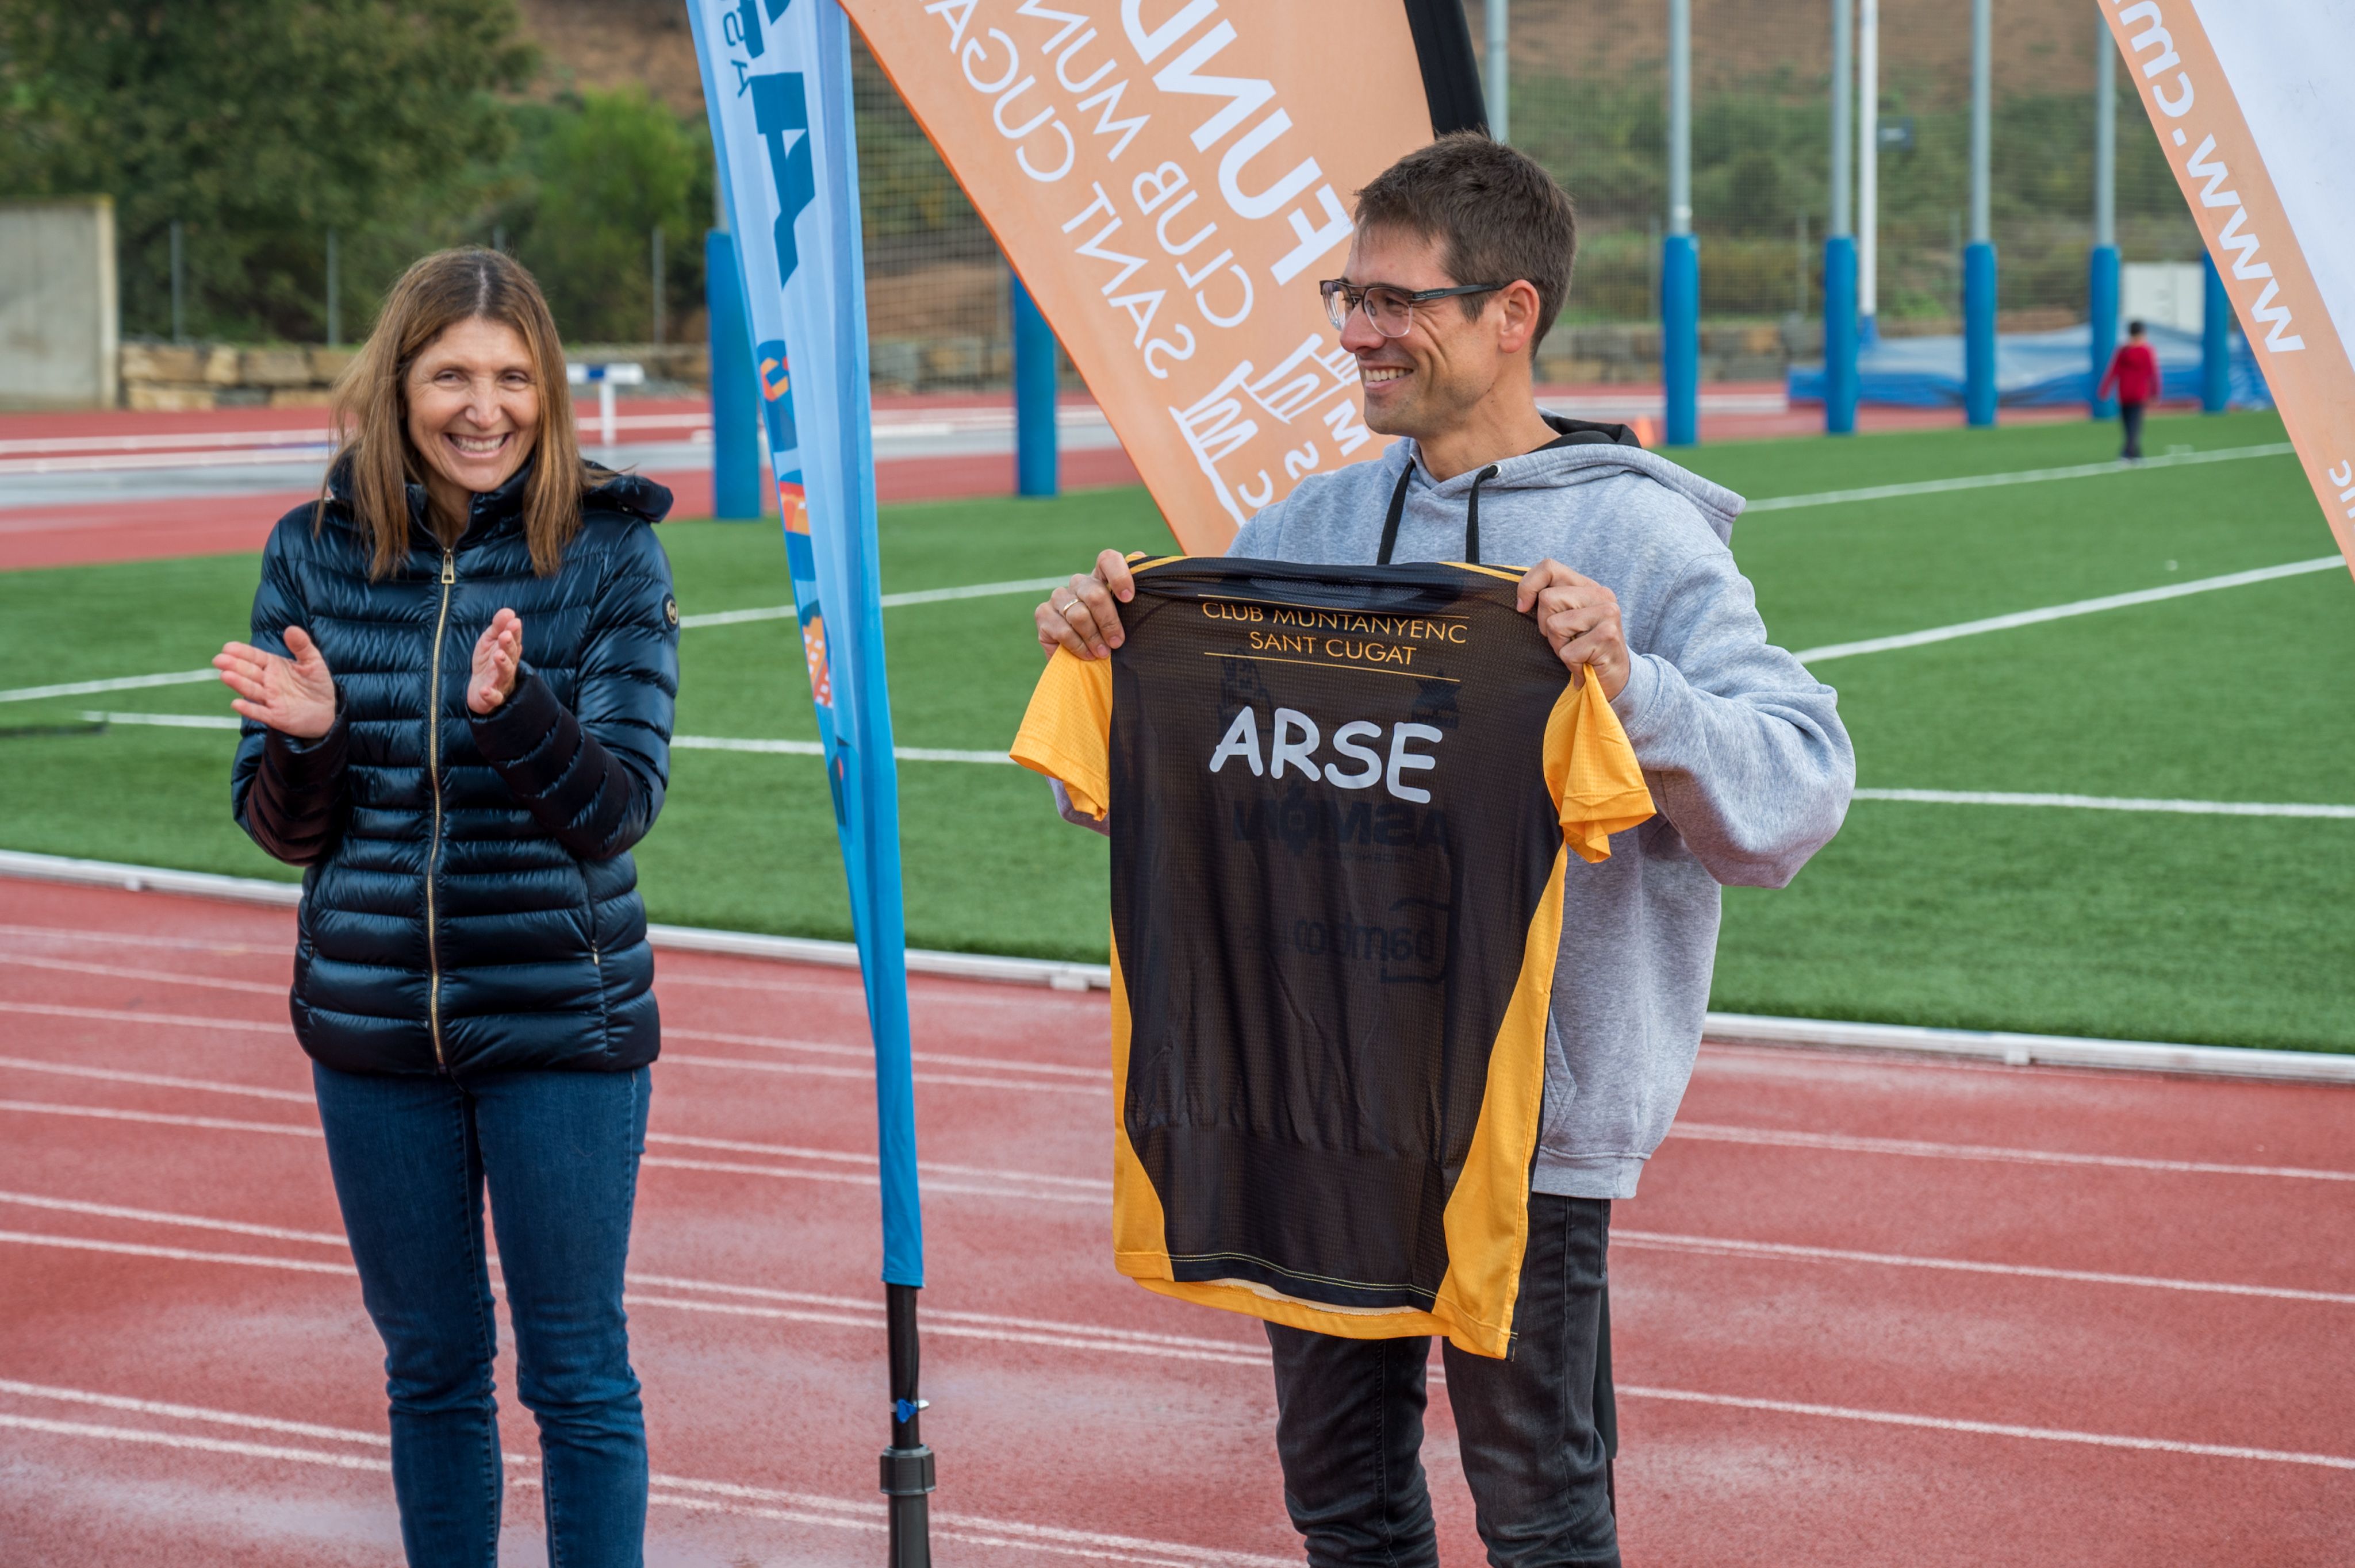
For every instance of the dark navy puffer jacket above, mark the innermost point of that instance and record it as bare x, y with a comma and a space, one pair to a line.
469, 901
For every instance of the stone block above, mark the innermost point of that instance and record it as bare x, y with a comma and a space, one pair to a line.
284, 367
301, 397
219, 364
161, 362
895, 362
328, 365
169, 397
955, 361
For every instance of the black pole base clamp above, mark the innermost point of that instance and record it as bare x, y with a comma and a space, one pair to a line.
907, 1472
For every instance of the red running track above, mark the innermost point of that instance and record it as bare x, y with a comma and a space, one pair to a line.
1867, 1311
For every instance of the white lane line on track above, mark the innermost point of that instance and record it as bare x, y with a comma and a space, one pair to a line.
160, 1118
797, 1069
2066, 611
166, 1217
1725, 1247
1712, 1132
1043, 1535
1698, 1132
1720, 1247
127, 1015
682, 1491
775, 1306
203, 1445
175, 1253
166, 977
154, 1080
1097, 1076
77, 936
2110, 803
1990, 1429
190, 1413
2017, 476
1006, 1183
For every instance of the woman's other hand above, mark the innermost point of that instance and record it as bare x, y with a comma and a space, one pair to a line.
499, 655
1082, 617
295, 696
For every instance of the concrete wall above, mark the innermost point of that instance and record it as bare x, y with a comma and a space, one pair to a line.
58, 323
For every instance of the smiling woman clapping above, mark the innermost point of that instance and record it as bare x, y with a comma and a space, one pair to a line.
458, 698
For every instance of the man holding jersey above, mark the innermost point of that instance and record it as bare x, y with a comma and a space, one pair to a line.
1460, 263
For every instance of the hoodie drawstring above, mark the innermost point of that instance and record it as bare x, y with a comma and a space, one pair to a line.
1471, 515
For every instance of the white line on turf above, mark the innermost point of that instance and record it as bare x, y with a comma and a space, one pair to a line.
678, 742
2017, 476
2065, 611
1990, 1429
2110, 803
1713, 1132
891, 601
1936, 797
117, 683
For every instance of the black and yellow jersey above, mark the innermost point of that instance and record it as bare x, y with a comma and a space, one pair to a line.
1339, 803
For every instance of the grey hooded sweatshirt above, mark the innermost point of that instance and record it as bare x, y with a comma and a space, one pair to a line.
1741, 748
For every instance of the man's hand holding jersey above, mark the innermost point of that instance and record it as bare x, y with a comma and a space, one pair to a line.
1580, 618
1080, 616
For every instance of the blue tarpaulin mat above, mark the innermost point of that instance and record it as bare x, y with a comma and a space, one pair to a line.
2032, 370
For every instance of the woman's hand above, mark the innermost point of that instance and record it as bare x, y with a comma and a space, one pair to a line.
1082, 617
295, 696
499, 655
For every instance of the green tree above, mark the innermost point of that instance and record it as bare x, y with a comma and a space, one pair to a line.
599, 173
260, 124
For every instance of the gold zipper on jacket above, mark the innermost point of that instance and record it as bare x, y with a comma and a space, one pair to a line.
434, 777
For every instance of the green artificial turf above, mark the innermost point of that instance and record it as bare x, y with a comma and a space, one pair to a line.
2142, 925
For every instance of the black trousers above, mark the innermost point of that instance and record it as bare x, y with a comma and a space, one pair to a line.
1537, 1429
2130, 416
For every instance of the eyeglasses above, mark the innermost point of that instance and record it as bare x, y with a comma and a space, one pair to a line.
1391, 311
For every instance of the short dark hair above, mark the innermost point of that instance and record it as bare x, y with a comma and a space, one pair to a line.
2134, 329
1498, 216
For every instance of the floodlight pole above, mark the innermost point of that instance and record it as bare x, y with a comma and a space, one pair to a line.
1500, 69
1978, 257
2102, 283
2215, 340
1679, 260
1867, 171
1839, 238
1036, 463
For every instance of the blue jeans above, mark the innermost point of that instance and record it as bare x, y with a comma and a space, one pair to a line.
560, 1153
1534, 1428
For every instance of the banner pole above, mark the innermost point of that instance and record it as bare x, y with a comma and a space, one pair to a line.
776, 82
870, 772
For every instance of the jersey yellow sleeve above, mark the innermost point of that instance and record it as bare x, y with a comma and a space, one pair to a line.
1591, 771
1066, 731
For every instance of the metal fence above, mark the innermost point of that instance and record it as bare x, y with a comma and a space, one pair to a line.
1586, 98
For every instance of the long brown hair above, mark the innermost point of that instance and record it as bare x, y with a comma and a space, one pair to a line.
371, 406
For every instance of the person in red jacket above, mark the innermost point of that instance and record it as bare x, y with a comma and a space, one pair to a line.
2134, 370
